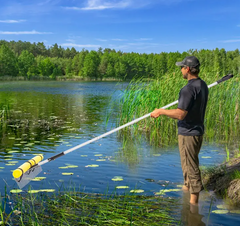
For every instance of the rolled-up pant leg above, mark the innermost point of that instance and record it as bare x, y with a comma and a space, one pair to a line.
189, 148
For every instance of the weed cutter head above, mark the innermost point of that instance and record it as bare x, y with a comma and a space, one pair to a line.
28, 176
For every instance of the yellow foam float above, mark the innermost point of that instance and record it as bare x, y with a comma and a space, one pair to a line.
26, 166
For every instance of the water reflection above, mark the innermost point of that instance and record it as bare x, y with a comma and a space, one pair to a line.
190, 213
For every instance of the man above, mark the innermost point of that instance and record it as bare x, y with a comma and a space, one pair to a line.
190, 114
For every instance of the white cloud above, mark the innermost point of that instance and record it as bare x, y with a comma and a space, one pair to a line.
70, 40
80, 45
103, 4
143, 44
101, 40
12, 21
144, 39
119, 40
231, 41
33, 32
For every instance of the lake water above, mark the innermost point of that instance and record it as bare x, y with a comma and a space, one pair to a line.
51, 117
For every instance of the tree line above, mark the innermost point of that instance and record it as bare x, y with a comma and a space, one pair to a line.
35, 59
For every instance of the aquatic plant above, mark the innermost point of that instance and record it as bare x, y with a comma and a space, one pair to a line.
4, 111
144, 95
69, 207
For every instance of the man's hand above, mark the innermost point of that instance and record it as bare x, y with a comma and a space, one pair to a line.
156, 113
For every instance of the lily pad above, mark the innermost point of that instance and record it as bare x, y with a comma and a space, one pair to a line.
14, 162
38, 178
137, 191
220, 211
63, 167
47, 190
23, 142
83, 155
162, 192
101, 160
29, 144
98, 155
156, 154
117, 178
1, 167
37, 142
92, 165
33, 191
15, 191
235, 211
221, 206
67, 174
12, 152
72, 166
206, 157
10, 164
122, 187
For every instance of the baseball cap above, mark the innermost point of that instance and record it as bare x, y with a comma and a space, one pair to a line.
190, 61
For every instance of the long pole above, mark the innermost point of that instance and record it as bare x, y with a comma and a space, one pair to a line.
121, 127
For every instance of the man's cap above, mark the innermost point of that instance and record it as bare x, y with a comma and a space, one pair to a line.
190, 61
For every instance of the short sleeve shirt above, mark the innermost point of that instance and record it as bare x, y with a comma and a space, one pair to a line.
193, 98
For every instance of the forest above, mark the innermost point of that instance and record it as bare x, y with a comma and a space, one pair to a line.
35, 59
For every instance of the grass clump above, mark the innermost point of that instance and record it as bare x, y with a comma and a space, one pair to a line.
78, 208
235, 175
143, 96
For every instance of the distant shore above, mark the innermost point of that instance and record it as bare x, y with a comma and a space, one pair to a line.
58, 78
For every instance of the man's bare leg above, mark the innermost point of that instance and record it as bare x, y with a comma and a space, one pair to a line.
194, 198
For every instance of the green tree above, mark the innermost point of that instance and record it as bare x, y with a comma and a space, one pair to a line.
8, 62
46, 67
27, 64
91, 64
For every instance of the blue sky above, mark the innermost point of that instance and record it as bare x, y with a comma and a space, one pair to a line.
143, 26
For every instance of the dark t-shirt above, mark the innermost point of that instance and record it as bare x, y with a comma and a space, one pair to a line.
193, 99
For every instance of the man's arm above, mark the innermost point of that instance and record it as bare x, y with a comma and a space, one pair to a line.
174, 113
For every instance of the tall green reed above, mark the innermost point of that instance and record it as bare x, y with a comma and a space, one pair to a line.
4, 111
142, 96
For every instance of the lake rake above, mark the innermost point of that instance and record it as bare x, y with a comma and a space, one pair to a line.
30, 169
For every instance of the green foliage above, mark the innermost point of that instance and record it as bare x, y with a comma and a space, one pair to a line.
107, 63
235, 175
91, 63
8, 62
46, 67
144, 95
27, 64
78, 208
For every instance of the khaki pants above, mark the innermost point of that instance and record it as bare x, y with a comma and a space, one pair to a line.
189, 147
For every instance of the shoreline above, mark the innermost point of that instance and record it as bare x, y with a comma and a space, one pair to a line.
224, 180
60, 78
